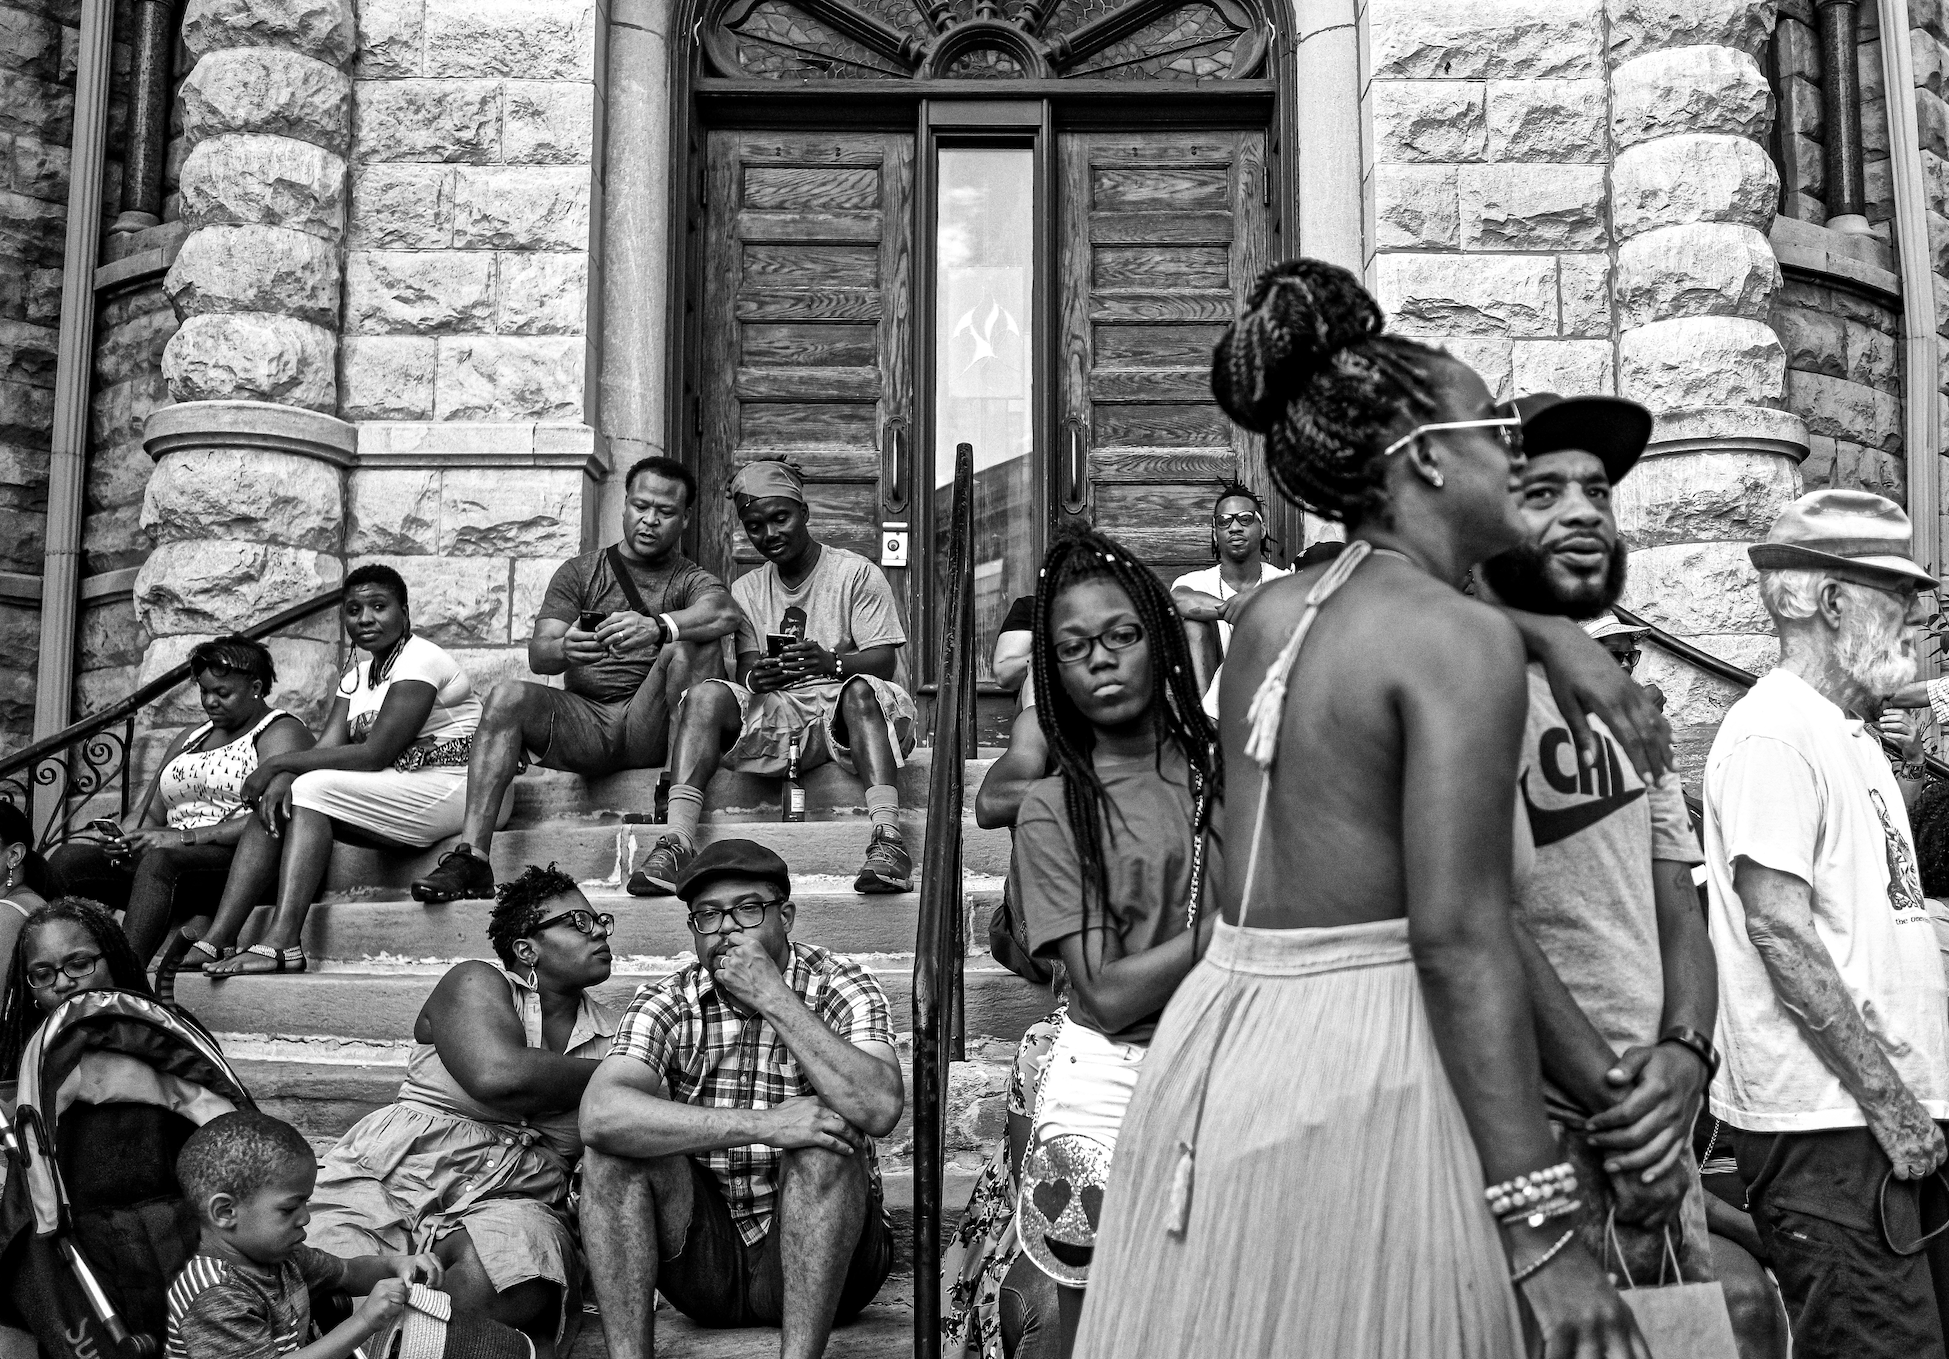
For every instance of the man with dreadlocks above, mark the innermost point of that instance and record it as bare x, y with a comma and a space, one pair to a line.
1210, 599
474, 1160
1105, 870
1302, 1171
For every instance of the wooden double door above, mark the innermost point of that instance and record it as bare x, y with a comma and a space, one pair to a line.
1051, 297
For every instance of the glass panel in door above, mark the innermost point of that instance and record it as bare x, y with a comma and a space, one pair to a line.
984, 370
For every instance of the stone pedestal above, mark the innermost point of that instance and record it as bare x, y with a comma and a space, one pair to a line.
247, 509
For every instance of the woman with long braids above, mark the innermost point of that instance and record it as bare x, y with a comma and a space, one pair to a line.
1103, 871
68, 946
1303, 1170
391, 766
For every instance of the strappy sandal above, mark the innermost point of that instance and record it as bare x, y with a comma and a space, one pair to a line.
282, 960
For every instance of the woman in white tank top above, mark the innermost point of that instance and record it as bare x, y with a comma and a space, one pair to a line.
173, 854
21, 874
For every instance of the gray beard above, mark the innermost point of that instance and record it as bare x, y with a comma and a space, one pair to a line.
1873, 658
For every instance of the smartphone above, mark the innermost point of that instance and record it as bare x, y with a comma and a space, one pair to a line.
776, 642
590, 621
101, 825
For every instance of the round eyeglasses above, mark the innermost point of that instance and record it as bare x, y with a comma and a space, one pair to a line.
745, 915
585, 922
76, 966
1075, 650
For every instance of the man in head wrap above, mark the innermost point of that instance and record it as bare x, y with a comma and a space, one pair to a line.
629, 628
820, 673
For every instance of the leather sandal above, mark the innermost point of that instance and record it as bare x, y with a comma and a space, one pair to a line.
282, 960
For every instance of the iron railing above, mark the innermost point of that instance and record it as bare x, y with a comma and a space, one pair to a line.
1733, 674
59, 778
940, 945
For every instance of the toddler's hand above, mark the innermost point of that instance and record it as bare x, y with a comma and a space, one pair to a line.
382, 1304
422, 1268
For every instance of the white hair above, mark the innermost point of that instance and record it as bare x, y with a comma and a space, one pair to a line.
1792, 596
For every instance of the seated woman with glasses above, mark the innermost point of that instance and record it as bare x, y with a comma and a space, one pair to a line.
474, 1160
66, 947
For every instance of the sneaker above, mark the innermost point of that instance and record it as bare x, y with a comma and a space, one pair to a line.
460, 873
657, 876
888, 866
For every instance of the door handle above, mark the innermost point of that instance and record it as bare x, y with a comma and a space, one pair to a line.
893, 464
1075, 465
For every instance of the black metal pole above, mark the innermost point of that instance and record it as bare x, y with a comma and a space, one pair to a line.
1840, 99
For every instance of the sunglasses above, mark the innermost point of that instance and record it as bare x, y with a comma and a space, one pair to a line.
1243, 519
585, 922
1508, 428
76, 966
1075, 650
745, 915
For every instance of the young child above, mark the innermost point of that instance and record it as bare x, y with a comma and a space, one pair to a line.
246, 1293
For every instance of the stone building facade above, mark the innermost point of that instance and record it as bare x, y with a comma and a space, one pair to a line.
429, 273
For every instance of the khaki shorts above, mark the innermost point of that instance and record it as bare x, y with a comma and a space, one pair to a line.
771, 724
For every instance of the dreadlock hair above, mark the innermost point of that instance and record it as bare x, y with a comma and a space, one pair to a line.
1928, 821
1232, 488
19, 1016
1307, 366
1176, 708
518, 903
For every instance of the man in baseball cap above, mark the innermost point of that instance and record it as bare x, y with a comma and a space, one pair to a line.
731, 1127
1833, 1013
1625, 1038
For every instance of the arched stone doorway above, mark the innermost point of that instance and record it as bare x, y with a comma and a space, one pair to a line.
907, 224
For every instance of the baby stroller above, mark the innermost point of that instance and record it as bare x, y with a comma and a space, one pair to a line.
93, 1224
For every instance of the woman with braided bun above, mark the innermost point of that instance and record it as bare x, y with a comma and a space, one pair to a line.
1302, 1169
1105, 865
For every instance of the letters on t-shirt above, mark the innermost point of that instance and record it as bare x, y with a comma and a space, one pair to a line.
1604, 785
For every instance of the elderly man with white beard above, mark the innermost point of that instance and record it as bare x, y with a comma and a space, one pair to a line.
1832, 1018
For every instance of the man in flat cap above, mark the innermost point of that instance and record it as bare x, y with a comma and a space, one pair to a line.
1832, 1013
730, 1162
629, 628
820, 677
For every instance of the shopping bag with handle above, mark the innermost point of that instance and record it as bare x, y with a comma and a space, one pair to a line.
1678, 1320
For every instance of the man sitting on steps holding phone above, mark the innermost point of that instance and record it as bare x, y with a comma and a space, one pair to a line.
820, 674
630, 627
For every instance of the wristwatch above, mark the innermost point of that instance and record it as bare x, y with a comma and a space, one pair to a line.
1695, 1042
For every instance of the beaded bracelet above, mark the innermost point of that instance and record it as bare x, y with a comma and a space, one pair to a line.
1542, 1213
1525, 1191
1542, 1259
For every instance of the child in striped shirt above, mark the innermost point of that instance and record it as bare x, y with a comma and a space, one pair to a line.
246, 1293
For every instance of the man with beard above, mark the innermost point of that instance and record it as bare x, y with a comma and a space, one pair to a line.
1619, 968
820, 677
1834, 1025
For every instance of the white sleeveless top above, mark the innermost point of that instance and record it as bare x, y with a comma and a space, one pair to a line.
203, 787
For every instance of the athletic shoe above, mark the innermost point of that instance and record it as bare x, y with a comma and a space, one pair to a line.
460, 873
657, 877
888, 866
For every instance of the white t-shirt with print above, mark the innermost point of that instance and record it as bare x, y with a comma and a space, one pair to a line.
1211, 581
1795, 784
456, 712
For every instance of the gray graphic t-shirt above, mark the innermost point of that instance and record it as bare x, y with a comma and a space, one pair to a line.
1588, 901
847, 603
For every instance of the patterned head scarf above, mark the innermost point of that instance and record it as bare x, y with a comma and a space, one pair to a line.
766, 477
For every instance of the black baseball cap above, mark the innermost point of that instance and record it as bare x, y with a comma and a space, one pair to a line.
733, 859
1614, 429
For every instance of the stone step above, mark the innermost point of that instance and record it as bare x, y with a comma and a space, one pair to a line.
596, 852
546, 796
380, 1004
829, 913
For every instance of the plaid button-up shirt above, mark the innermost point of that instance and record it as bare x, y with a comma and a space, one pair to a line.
711, 1055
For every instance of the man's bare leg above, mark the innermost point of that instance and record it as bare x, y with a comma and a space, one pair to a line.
633, 1214
511, 709
678, 667
821, 1212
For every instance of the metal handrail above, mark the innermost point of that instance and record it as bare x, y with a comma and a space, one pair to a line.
105, 756
939, 946
1733, 674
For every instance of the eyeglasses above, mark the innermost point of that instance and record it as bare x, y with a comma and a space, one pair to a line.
76, 966
1243, 519
1074, 650
745, 915
586, 922
1509, 429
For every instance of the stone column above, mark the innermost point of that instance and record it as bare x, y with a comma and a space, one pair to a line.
247, 500
1694, 192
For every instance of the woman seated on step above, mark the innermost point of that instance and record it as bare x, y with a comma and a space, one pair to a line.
66, 946
174, 850
23, 878
474, 1160
391, 768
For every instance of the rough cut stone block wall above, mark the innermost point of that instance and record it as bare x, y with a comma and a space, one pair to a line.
1799, 136
468, 355
1929, 48
1844, 378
